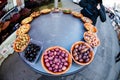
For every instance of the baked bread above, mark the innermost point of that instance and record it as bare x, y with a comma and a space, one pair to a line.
23, 29
27, 20
21, 42
90, 27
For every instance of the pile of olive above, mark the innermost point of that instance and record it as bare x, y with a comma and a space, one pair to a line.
82, 53
31, 52
56, 60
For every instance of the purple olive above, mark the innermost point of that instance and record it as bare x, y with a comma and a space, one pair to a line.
84, 57
77, 46
63, 60
51, 62
80, 56
76, 58
60, 51
50, 58
51, 54
55, 60
62, 54
47, 64
60, 66
74, 54
55, 70
48, 52
60, 70
53, 65
87, 60
55, 53
58, 63
56, 66
83, 47
66, 58
86, 54
46, 60
64, 68
57, 49
66, 64
66, 54
50, 68
45, 57
81, 60
61, 63
60, 57
76, 50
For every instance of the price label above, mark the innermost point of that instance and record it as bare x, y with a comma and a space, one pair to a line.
4, 52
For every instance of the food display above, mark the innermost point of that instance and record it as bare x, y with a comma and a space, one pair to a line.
86, 20
21, 42
32, 51
92, 39
77, 14
82, 53
35, 14
45, 11
66, 11
27, 20
56, 60
23, 29
90, 27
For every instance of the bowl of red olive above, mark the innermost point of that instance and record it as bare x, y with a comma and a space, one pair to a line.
82, 53
56, 60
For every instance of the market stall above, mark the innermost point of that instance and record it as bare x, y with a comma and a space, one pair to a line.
53, 29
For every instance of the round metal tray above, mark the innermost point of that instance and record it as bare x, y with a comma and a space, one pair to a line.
56, 29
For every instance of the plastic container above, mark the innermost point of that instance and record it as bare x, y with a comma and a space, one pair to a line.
38, 52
